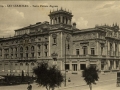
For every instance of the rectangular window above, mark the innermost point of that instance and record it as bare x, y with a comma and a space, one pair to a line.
77, 51
67, 67
16, 55
101, 50
11, 55
38, 53
85, 50
21, 55
82, 66
54, 41
45, 53
68, 46
92, 51
32, 55
39, 46
26, 55
45, 46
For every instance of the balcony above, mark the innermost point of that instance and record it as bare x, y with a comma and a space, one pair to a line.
92, 57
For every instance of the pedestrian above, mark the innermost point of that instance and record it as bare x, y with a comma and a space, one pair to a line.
69, 80
29, 86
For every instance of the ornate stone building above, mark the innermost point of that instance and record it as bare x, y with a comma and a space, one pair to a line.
60, 40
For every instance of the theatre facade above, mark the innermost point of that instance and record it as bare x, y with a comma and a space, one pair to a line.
59, 42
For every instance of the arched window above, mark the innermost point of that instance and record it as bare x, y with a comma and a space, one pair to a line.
39, 46
111, 47
116, 49
63, 20
32, 48
66, 20
16, 49
27, 64
26, 48
21, 49
11, 50
21, 64
55, 20
32, 64
59, 19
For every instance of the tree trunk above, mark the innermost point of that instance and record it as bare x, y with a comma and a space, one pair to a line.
47, 88
90, 85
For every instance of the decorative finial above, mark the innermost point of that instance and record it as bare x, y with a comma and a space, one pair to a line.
116, 24
113, 24
61, 8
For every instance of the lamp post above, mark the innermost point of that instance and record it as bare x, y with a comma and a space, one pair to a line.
67, 39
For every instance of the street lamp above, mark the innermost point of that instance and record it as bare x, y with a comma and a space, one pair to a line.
67, 39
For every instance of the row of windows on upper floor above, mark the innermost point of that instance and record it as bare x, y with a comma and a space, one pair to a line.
32, 48
26, 55
85, 51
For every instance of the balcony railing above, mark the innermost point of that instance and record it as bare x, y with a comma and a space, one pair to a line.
92, 56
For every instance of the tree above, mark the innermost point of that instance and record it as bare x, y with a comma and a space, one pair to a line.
90, 75
49, 77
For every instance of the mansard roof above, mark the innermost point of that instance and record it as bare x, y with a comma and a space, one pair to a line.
34, 25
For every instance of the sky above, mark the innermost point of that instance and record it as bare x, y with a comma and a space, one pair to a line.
86, 14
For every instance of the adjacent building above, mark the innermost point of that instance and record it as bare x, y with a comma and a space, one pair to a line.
60, 42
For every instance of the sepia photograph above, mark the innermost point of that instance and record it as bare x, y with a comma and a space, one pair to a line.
59, 45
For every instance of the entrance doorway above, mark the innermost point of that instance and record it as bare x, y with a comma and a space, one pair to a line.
67, 67
74, 67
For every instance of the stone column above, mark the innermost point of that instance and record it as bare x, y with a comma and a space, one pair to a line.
113, 48
51, 21
57, 20
119, 65
97, 48
70, 65
98, 64
35, 50
108, 49
49, 44
108, 61
64, 20
114, 64
87, 62
60, 19
78, 65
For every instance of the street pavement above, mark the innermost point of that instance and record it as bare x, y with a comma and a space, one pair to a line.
106, 82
